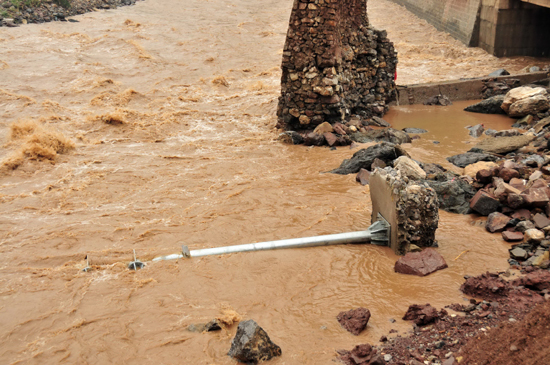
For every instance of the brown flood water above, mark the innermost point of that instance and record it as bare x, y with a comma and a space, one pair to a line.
195, 161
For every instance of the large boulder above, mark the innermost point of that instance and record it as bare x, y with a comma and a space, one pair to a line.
502, 145
468, 158
520, 93
354, 320
488, 106
420, 263
529, 106
252, 344
382, 135
453, 195
364, 158
408, 167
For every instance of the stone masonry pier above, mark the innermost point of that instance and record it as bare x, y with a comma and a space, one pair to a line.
334, 65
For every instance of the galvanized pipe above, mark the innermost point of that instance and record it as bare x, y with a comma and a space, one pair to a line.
378, 234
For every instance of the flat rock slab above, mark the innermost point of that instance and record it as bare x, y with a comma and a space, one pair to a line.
252, 344
355, 320
512, 236
468, 158
541, 220
420, 263
496, 222
502, 145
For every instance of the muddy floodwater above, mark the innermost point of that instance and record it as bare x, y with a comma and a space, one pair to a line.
163, 115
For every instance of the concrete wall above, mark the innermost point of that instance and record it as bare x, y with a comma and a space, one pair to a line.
501, 27
456, 17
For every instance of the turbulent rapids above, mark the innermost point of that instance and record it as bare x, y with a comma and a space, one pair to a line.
152, 126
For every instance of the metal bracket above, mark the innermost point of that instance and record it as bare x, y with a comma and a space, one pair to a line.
381, 232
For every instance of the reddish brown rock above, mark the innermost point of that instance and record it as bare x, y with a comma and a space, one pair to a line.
363, 354
512, 236
536, 197
484, 176
514, 201
377, 163
538, 280
421, 314
496, 222
522, 214
541, 220
484, 203
518, 184
331, 139
355, 320
363, 177
508, 174
314, 139
420, 263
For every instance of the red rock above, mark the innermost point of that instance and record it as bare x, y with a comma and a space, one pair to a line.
512, 236
421, 314
496, 222
377, 163
522, 214
330, 138
535, 197
339, 128
484, 203
484, 176
508, 174
541, 220
363, 177
538, 280
355, 320
420, 263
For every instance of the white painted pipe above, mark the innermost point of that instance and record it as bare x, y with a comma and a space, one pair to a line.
378, 234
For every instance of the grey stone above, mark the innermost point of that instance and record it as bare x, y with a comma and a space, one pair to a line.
414, 130
499, 72
377, 121
476, 130
291, 137
251, 344
468, 158
503, 145
454, 195
518, 253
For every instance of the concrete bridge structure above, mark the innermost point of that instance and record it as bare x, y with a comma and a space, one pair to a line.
501, 27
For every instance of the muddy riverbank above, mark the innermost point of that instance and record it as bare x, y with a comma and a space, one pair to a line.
170, 110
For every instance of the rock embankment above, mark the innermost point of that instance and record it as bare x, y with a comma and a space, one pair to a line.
16, 12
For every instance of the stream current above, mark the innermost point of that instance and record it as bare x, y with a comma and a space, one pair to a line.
171, 109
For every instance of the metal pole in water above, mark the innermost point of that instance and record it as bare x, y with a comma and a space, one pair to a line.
378, 234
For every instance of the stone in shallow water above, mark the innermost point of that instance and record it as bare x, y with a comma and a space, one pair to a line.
496, 222
420, 263
354, 320
421, 314
252, 344
488, 106
414, 130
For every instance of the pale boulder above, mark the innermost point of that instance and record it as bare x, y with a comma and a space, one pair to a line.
520, 93
529, 106
409, 168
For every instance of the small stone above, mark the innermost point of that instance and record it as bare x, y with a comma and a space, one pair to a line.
513, 348
496, 222
518, 253
476, 130
512, 236
325, 127
471, 170
421, 314
363, 177
524, 226
251, 344
484, 203
541, 220
508, 174
354, 320
387, 358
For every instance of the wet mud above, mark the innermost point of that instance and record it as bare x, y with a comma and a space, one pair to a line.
152, 126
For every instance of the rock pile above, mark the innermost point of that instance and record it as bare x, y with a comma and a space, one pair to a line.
13, 13
335, 65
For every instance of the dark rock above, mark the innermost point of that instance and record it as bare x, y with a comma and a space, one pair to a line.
500, 72
453, 195
291, 137
496, 222
488, 106
355, 320
439, 100
512, 236
518, 253
420, 263
432, 168
364, 158
484, 176
484, 203
314, 139
363, 177
377, 121
514, 201
476, 130
468, 158
414, 130
252, 344
541, 221
421, 314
